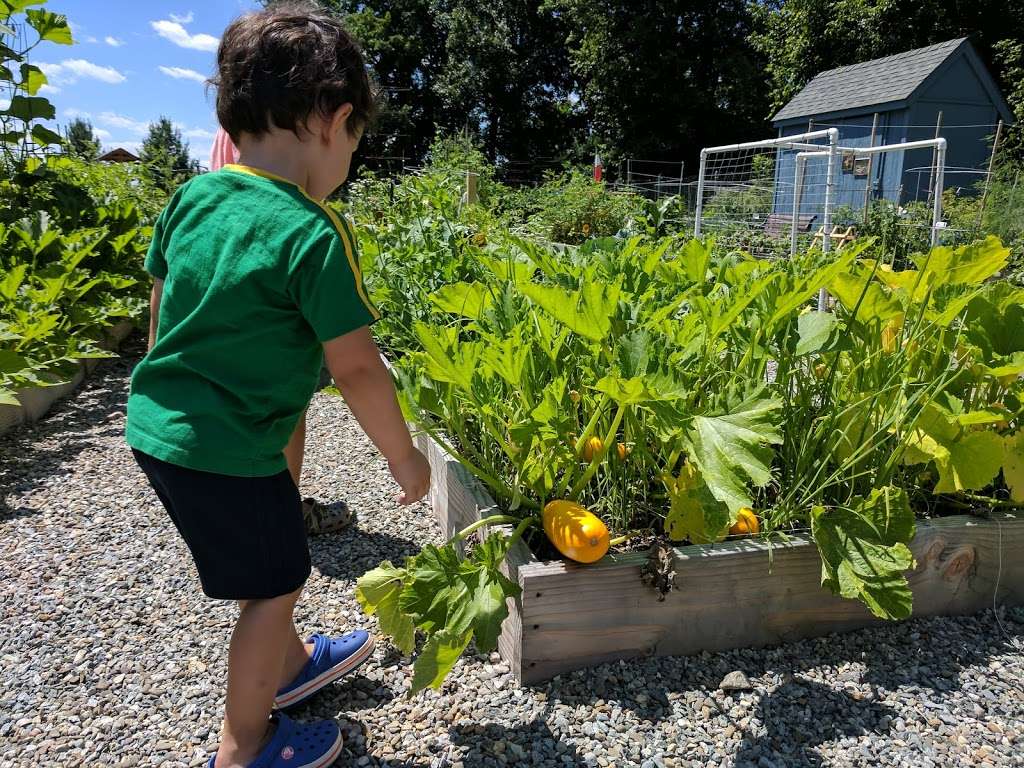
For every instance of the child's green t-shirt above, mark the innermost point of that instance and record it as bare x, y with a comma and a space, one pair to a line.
256, 276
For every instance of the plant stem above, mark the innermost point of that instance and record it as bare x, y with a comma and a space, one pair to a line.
492, 520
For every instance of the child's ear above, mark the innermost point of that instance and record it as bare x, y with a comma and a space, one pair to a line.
339, 122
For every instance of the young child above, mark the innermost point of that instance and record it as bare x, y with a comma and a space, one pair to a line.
256, 283
319, 517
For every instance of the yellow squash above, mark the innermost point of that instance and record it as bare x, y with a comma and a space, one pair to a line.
592, 448
746, 523
577, 533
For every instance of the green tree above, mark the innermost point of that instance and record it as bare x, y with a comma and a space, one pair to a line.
661, 78
499, 70
165, 155
81, 141
800, 38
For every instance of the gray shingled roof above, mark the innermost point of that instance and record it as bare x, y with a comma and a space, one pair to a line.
879, 81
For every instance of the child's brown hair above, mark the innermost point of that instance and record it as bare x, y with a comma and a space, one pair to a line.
279, 66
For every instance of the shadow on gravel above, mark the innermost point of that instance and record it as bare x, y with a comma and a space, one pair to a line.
791, 730
28, 456
351, 553
527, 744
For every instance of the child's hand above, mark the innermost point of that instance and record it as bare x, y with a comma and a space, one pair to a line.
412, 473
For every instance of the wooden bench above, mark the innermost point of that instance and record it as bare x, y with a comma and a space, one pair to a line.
779, 224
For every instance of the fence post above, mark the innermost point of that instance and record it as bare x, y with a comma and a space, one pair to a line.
940, 172
700, 192
798, 185
871, 160
826, 241
988, 175
935, 159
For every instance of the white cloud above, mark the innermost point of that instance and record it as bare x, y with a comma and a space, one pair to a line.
91, 39
49, 90
181, 73
197, 133
71, 113
101, 134
115, 120
70, 71
177, 34
113, 42
186, 19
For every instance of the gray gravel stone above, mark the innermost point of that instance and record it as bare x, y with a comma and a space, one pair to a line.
111, 656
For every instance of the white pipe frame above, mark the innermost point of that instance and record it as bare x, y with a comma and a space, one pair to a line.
798, 141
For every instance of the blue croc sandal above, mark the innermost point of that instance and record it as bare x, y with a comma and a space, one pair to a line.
332, 658
298, 745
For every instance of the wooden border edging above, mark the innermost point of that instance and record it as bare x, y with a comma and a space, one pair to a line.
737, 594
37, 401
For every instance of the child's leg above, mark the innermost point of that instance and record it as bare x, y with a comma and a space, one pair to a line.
294, 452
259, 644
296, 656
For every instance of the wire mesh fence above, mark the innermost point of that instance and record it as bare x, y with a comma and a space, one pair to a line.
764, 196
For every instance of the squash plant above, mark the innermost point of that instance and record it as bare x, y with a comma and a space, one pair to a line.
60, 290
669, 384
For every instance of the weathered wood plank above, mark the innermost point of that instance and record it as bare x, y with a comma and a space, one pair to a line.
458, 500
736, 594
575, 617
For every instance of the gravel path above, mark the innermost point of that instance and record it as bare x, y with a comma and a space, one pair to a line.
110, 656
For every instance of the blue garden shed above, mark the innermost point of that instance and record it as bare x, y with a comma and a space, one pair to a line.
908, 92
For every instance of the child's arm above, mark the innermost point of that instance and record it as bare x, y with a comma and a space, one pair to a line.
154, 309
365, 383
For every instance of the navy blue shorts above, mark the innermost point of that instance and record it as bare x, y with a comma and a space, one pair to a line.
247, 535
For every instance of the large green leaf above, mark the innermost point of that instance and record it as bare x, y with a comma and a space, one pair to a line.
1013, 464
11, 362
864, 551
587, 312
437, 658
694, 513
11, 7
378, 592
815, 329
12, 281
44, 137
969, 264
466, 299
455, 364
52, 27
965, 460
733, 449
28, 108
32, 79
878, 304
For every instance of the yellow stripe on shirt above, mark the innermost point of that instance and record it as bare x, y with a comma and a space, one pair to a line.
342, 232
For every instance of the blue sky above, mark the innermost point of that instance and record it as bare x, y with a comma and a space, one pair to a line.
134, 61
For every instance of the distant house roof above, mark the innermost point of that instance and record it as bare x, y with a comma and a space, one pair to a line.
119, 155
879, 81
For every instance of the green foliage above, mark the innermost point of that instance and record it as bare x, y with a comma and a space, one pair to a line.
800, 38
709, 368
71, 241
453, 599
20, 133
572, 208
82, 142
653, 80
165, 156
61, 291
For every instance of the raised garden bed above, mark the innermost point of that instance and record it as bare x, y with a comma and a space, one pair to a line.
735, 594
37, 401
